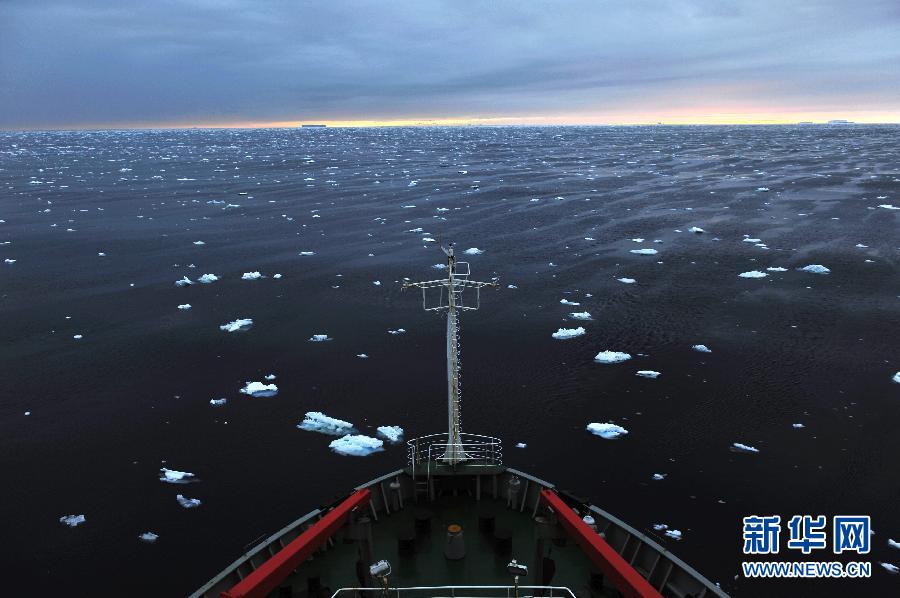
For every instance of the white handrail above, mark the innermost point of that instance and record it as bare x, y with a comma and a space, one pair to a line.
554, 591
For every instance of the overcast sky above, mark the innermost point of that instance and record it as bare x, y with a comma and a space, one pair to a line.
86, 63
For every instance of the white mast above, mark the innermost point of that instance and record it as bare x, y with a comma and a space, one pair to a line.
454, 284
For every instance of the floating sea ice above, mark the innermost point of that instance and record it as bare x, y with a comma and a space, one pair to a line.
750, 240
377, 283
776, 269
861, 246
567, 302
251, 276
217, 402
627, 280
72, 520
199, 243
744, 448
648, 374
521, 445
276, 276
815, 269
428, 240
183, 282
511, 286
701, 348
398, 331
753, 274
565, 333
590, 239
580, 315
473, 251
173, 476
893, 544
319, 338
896, 378
188, 503
644, 251
208, 278
607, 431
184, 306
9, 261
440, 266
363, 356
659, 476
258, 389
696, 229
638, 240
316, 421
307, 253
888, 206
148, 537
797, 426
77, 337
238, 325
391, 433
611, 357
890, 568
356, 445
762, 189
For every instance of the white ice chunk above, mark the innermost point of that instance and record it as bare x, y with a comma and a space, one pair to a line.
173, 476
744, 448
566, 333
644, 251
607, 431
815, 269
188, 503
896, 378
362, 356
307, 253
217, 402
627, 280
377, 283
473, 251
356, 445
776, 269
797, 426
208, 278
258, 389
580, 315
184, 306
148, 537
648, 374
9, 261
239, 325
674, 533
319, 338
251, 276
659, 476
77, 337
890, 568
316, 421
567, 302
888, 206
751, 240
638, 240
753, 274
391, 433
199, 243
398, 331
183, 282
611, 357
701, 348
276, 276
521, 445
696, 229
72, 520
893, 543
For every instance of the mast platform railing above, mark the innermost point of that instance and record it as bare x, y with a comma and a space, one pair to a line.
427, 452
461, 592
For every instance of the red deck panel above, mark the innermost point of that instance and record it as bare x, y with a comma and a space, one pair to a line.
628, 581
270, 574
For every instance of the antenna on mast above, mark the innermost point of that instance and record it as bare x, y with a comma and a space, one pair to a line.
451, 301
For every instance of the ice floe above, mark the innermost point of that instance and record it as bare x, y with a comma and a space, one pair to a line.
815, 269
701, 348
565, 333
188, 503
77, 337
319, 338
611, 357
148, 537
362, 356
521, 445
567, 302
208, 278
743, 448
580, 315
316, 421
776, 269
762, 189
648, 374
391, 433
890, 568
644, 251
893, 543
251, 276
398, 331
258, 389
356, 445
888, 206
72, 520
9, 261
173, 476
607, 430
659, 476
627, 280
276, 276
307, 253
672, 533
896, 378
239, 325
199, 243
184, 306
473, 251
753, 274
797, 426
696, 229
183, 282
217, 402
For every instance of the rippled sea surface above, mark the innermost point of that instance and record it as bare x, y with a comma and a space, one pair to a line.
556, 212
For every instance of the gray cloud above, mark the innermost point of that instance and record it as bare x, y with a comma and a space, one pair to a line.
99, 62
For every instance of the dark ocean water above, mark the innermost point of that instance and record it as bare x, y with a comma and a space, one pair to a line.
108, 410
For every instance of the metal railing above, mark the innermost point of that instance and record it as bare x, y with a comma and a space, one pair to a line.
425, 451
462, 592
